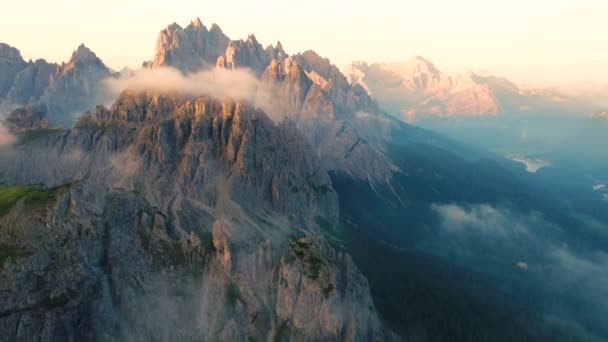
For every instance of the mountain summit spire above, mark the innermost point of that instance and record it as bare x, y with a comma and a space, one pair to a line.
197, 23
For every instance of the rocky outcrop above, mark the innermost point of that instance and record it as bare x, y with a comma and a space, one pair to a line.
342, 122
11, 63
28, 118
189, 49
182, 218
249, 54
59, 91
30, 84
275, 52
181, 147
77, 87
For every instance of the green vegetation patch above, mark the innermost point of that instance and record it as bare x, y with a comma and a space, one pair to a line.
312, 262
10, 195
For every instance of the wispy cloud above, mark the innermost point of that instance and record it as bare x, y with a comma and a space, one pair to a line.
483, 218
532, 244
6, 138
239, 84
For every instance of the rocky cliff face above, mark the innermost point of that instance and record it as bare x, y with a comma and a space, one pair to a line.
183, 145
58, 91
249, 53
11, 63
189, 49
341, 121
175, 218
24, 119
30, 84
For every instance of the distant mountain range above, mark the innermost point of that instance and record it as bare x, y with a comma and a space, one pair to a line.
418, 88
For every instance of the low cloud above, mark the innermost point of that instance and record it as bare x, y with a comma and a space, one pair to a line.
493, 236
6, 138
589, 271
239, 84
483, 218
124, 166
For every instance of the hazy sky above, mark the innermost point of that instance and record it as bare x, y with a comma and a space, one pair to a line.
537, 42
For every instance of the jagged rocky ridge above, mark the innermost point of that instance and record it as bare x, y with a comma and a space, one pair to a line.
59, 91
175, 218
346, 126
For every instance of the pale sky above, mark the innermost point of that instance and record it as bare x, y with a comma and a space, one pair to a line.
534, 42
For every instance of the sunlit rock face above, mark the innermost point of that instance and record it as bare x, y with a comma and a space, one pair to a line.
200, 212
191, 48
11, 63
184, 144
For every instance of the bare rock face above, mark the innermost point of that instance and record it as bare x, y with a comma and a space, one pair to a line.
77, 87
30, 84
183, 146
275, 52
60, 91
28, 118
91, 264
342, 122
11, 63
182, 219
189, 49
305, 88
249, 53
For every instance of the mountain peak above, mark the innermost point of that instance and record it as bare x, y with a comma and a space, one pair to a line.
251, 38
173, 27
189, 49
9, 52
421, 64
216, 29
197, 23
82, 54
